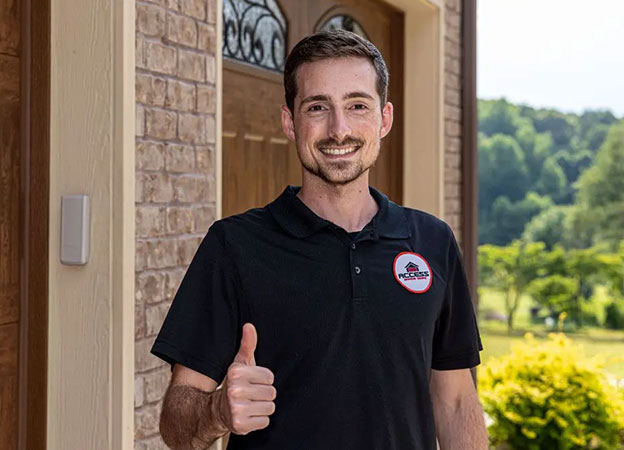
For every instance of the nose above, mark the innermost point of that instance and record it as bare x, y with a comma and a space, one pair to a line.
339, 127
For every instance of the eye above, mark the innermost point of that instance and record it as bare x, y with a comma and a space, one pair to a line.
359, 106
316, 108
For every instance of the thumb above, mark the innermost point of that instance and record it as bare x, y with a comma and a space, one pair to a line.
248, 344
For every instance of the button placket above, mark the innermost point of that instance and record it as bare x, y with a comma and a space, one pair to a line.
358, 281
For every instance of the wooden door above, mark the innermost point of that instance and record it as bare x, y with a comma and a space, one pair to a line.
258, 160
10, 220
24, 167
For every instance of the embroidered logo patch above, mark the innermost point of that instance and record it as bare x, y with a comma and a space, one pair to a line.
412, 272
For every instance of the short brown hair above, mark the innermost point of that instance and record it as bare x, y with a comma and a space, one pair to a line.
332, 44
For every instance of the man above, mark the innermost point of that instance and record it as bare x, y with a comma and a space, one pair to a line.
334, 318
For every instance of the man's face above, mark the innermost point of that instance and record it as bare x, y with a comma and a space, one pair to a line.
337, 122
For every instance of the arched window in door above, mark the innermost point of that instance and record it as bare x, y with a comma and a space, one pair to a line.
343, 22
254, 32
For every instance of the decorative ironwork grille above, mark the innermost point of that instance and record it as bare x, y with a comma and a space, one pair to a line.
344, 22
254, 31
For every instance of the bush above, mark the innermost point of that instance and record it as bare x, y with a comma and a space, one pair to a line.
614, 315
548, 396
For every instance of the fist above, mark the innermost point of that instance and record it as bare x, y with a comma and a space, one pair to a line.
247, 392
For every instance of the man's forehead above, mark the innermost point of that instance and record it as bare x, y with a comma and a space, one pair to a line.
335, 77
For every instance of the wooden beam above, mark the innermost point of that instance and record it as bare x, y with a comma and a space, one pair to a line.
469, 144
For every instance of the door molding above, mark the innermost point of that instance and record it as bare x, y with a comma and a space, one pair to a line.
92, 148
423, 104
35, 154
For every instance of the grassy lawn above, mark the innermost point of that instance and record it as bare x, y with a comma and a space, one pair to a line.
496, 339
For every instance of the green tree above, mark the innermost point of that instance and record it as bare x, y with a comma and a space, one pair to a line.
601, 189
554, 292
498, 117
593, 127
506, 220
502, 169
562, 127
511, 269
548, 226
552, 180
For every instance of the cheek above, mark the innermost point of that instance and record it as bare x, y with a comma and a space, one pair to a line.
367, 127
308, 132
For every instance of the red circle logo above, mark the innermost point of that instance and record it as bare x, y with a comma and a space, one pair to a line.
412, 272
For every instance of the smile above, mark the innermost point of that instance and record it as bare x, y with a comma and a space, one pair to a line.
339, 151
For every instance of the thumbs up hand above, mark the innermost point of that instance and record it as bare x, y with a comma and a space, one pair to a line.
247, 392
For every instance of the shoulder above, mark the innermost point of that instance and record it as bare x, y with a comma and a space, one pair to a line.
424, 225
242, 226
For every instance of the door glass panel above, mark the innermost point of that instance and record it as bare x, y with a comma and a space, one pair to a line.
344, 22
254, 32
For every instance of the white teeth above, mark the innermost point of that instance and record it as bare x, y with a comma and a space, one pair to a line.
338, 151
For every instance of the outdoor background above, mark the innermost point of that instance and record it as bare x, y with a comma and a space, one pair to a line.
551, 222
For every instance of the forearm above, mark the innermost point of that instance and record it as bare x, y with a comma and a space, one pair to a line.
461, 426
191, 418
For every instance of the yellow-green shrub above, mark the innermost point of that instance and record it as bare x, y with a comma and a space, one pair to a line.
549, 396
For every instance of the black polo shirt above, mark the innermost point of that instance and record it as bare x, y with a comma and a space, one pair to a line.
350, 325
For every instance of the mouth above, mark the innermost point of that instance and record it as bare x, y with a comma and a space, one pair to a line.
339, 151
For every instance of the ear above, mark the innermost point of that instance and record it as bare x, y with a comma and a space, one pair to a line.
288, 124
387, 117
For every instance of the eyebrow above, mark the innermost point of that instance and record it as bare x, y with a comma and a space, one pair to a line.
325, 98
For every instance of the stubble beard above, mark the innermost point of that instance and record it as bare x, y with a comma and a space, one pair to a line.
338, 173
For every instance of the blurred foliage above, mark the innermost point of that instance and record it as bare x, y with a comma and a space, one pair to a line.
550, 396
532, 161
558, 280
601, 190
510, 269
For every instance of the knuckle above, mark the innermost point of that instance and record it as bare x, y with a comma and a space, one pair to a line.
237, 411
234, 372
235, 392
239, 426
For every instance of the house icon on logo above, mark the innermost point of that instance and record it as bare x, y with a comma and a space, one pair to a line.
411, 267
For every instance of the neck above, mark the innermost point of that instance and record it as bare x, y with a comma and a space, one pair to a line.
350, 206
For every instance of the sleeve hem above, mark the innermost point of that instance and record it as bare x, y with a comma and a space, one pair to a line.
169, 353
465, 361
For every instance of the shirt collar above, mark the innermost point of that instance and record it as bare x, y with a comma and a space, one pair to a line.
300, 221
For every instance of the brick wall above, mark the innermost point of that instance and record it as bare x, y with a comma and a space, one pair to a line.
453, 117
175, 174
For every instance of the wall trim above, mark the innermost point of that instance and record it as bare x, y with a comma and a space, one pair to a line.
91, 307
423, 105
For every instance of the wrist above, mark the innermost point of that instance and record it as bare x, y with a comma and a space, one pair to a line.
217, 412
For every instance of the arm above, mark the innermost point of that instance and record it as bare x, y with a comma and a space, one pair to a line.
457, 411
195, 413
191, 417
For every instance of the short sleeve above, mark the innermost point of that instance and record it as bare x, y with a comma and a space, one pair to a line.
456, 340
202, 328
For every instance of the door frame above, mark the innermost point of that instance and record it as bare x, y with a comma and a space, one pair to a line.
90, 339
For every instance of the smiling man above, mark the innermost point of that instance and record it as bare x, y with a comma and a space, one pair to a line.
332, 317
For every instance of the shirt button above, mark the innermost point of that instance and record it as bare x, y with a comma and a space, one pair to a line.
357, 270
353, 246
